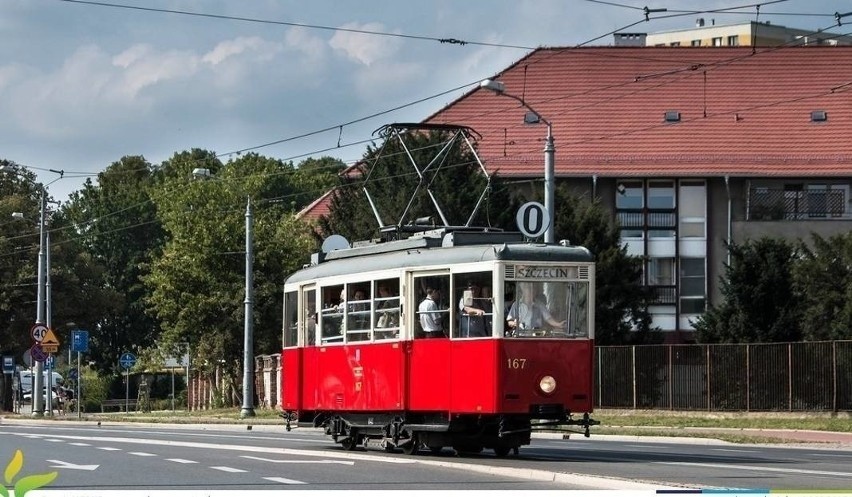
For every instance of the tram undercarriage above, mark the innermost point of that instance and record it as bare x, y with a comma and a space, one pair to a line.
412, 432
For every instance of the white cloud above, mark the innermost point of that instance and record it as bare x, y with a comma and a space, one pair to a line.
143, 67
364, 48
229, 49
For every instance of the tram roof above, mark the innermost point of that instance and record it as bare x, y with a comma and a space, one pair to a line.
437, 248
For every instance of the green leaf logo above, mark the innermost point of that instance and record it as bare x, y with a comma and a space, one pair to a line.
26, 483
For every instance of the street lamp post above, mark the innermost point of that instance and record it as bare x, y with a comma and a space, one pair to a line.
38, 376
549, 153
247, 410
248, 339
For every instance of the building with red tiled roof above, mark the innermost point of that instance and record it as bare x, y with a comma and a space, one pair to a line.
689, 147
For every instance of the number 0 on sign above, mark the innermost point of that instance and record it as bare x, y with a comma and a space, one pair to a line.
532, 219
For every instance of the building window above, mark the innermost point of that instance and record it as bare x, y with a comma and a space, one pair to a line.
717, 42
733, 41
693, 288
660, 274
630, 201
696, 43
692, 209
674, 44
661, 204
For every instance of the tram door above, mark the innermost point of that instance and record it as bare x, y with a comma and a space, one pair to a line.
429, 368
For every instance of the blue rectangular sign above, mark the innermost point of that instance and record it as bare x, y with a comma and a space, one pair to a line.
8, 364
79, 341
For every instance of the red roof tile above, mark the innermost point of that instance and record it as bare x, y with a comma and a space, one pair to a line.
742, 113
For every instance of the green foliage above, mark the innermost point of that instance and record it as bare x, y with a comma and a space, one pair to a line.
759, 301
388, 174
94, 389
621, 309
823, 284
196, 288
119, 236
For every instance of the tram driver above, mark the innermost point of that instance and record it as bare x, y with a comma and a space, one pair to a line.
529, 312
431, 318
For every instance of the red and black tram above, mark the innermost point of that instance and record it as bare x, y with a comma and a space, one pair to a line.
450, 338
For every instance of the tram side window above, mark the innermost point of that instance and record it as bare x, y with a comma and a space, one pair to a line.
331, 316
358, 312
309, 316
291, 325
433, 309
387, 308
474, 312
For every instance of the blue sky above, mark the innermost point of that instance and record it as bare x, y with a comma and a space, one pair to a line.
82, 85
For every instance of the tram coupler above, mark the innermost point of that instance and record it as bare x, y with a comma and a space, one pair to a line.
288, 417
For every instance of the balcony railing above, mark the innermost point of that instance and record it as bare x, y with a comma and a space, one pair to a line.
767, 204
663, 294
647, 218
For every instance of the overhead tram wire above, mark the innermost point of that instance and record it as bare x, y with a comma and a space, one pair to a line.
451, 41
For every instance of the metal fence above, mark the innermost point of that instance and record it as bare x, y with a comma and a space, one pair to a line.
803, 376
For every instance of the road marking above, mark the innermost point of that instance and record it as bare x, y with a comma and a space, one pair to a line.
80, 444
278, 479
53, 440
759, 468
68, 465
107, 448
142, 454
297, 461
228, 469
182, 461
738, 450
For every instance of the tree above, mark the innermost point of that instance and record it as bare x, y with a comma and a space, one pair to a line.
196, 287
388, 175
823, 285
621, 306
759, 302
118, 233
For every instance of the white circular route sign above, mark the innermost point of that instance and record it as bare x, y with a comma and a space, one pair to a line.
532, 219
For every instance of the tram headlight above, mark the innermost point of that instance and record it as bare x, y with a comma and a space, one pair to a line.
547, 384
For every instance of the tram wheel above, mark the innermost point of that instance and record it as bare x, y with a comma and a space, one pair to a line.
502, 451
350, 442
411, 447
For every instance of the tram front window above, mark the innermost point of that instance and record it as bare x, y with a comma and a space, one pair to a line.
556, 309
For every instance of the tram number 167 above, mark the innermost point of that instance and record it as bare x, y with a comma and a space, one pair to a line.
516, 363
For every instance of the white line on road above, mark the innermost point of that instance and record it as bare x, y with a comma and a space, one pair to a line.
182, 461
80, 444
759, 468
143, 454
738, 450
300, 461
107, 448
278, 479
228, 469
53, 440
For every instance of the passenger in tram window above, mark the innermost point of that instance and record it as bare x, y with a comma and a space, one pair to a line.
472, 318
431, 319
529, 313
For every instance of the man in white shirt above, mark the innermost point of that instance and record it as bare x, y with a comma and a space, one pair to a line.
430, 316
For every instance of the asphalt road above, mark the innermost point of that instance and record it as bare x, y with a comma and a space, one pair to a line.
157, 457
